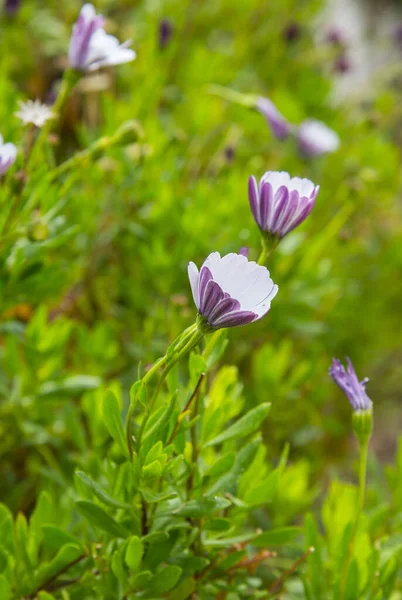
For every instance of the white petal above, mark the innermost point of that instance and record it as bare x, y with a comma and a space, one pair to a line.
194, 277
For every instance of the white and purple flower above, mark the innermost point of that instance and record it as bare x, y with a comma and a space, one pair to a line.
350, 385
8, 154
280, 203
91, 47
315, 138
230, 290
281, 128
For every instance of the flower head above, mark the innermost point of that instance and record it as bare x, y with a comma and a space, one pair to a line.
230, 291
315, 138
8, 154
348, 382
281, 128
33, 111
91, 47
165, 33
280, 203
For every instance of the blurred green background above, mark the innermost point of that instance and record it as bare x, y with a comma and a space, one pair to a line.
95, 282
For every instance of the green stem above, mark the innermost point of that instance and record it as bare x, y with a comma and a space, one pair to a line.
70, 79
249, 100
180, 347
363, 445
262, 259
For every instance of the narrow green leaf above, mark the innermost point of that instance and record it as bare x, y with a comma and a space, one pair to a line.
5, 589
204, 507
277, 537
96, 489
113, 422
100, 518
244, 426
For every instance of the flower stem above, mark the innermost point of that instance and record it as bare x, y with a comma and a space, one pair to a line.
70, 79
363, 446
180, 347
248, 100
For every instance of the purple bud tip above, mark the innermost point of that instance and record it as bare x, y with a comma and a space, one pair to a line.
398, 33
347, 381
342, 64
11, 6
335, 36
292, 32
244, 251
229, 154
165, 33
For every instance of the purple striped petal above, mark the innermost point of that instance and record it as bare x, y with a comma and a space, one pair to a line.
212, 295
205, 277
300, 218
266, 204
287, 213
236, 318
253, 196
281, 198
226, 305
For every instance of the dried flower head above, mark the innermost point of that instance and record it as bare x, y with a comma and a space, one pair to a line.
91, 47
280, 203
230, 290
8, 154
34, 112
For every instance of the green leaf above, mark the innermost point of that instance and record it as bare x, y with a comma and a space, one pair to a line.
221, 466
142, 579
165, 579
45, 596
244, 426
263, 492
100, 518
66, 555
202, 508
218, 524
99, 492
352, 582
277, 537
138, 393
152, 471
5, 589
7, 539
54, 538
113, 422
134, 552
71, 386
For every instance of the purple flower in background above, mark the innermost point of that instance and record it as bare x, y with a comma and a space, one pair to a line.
291, 32
342, 64
281, 128
165, 33
280, 203
230, 291
315, 138
8, 154
348, 382
91, 47
11, 6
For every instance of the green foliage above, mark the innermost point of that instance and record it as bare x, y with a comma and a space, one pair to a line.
216, 475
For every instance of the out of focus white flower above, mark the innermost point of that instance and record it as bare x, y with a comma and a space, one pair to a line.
34, 112
8, 154
316, 138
